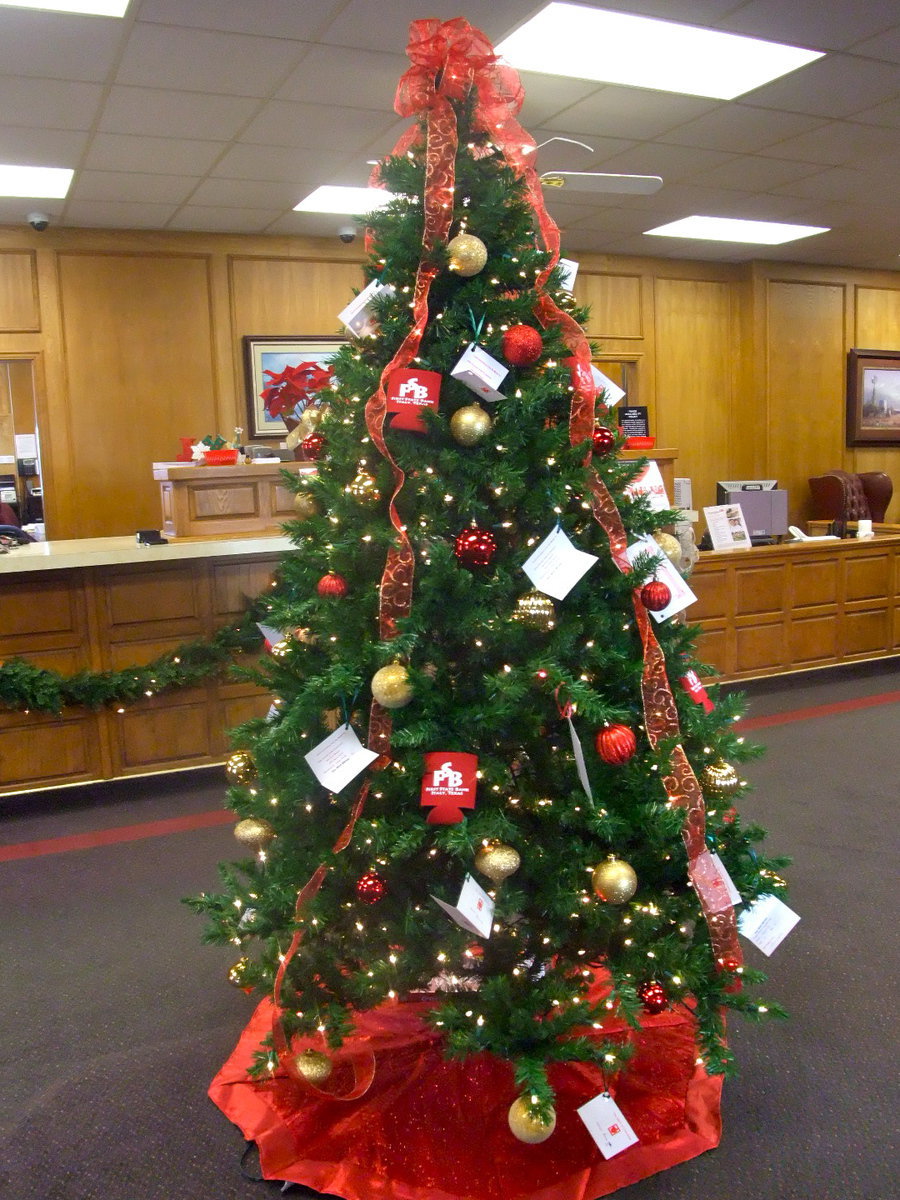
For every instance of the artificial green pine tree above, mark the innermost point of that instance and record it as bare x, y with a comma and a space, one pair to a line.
487, 675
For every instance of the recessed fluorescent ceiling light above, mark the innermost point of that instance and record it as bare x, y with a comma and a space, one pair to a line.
731, 229
37, 183
350, 200
612, 47
86, 8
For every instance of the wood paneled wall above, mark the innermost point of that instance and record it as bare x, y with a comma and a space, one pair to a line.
135, 339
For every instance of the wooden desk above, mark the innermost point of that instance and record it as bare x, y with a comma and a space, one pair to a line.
246, 499
774, 609
106, 603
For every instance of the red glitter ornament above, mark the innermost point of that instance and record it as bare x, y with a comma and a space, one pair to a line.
522, 345
313, 445
604, 440
616, 744
332, 584
655, 595
475, 547
371, 887
653, 997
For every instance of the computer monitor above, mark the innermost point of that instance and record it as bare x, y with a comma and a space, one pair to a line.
763, 503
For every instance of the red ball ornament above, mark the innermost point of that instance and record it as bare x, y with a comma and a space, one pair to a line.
653, 997
522, 345
604, 440
332, 584
730, 962
616, 744
475, 547
313, 445
371, 887
655, 595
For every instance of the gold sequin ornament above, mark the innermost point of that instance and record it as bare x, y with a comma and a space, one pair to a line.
614, 881
467, 254
254, 832
526, 1125
363, 488
720, 778
391, 686
497, 861
535, 610
305, 506
670, 546
470, 424
240, 767
314, 1066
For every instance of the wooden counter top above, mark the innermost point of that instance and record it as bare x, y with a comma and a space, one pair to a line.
121, 551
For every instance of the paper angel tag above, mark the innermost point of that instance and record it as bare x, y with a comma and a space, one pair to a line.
480, 373
557, 565
682, 595
607, 1125
474, 910
339, 758
609, 392
767, 922
358, 316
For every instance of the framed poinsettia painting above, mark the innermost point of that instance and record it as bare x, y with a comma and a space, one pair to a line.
281, 375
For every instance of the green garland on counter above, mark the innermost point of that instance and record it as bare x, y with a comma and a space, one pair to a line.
24, 687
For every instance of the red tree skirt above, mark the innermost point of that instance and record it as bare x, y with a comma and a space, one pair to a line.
428, 1129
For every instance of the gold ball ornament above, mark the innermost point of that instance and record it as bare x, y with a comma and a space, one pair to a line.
720, 778
497, 861
670, 546
237, 974
314, 1066
391, 686
526, 1125
467, 254
535, 610
240, 767
363, 489
305, 506
614, 881
254, 832
470, 424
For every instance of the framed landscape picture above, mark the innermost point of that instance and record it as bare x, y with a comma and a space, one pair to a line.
262, 354
873, 397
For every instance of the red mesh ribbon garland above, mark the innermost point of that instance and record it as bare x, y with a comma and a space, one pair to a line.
354, 1062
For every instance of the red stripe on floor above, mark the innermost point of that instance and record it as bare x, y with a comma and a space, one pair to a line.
109, 837
820, 710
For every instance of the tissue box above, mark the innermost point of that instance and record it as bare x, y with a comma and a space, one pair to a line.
480, 373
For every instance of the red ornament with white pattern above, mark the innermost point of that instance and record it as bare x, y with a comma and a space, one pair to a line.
656, 595
616, 744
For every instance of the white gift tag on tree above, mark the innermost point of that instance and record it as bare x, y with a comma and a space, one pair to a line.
579, 756
650, 483
358, 316
607, 1125
733, 894
474, 910
682, 595
481, 373
272, 635
569, 268
611, 392
557, 565
339, 758
767, 922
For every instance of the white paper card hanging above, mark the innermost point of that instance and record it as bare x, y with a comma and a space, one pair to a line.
271, 635
611, 392
569, 268
733, 894
650, 484
339, 758
481, 373
474, 910
358, 316
682, 595
579, 761
607, 1125
557, 565
767, 922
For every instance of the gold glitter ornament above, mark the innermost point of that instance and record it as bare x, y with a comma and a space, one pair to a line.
254, 832
467, 254
526, 1125
720, 778
614, 880
535, 610
305, 506
363, 488
670, 546
496, 860
391, 686
240, 767
237, 973
470, 424
314, 1066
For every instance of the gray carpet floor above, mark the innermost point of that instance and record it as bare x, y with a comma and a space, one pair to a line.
115, 1017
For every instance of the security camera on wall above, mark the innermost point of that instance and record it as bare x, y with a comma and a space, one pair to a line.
38, 221
347, 233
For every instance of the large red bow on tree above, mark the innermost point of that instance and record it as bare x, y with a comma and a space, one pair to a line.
294, 387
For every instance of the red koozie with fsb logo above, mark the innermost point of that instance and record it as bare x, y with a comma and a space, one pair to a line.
693, 685
408, 393
448, 785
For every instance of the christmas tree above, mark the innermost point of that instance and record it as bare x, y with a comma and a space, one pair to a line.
528, 750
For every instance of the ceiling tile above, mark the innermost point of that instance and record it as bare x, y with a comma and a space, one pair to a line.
58, 46
313, 126
244, 193
55, 103
223, 220
673, 163
833, 144
739, 128
131, 186
165, 113
836, 86
884, 46
374, 24
322, 78
13, 209
755, 172
290, 18
91, 214
548, 95
41, 147
123, 152
823, 25
835, 183
630, 113
885, 115
286, 163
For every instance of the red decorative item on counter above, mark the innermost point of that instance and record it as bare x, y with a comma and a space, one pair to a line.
604, 440
475, 547
616, 744
371, 887
655, 595
313, 446
522, 345
653, 997
332, 584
